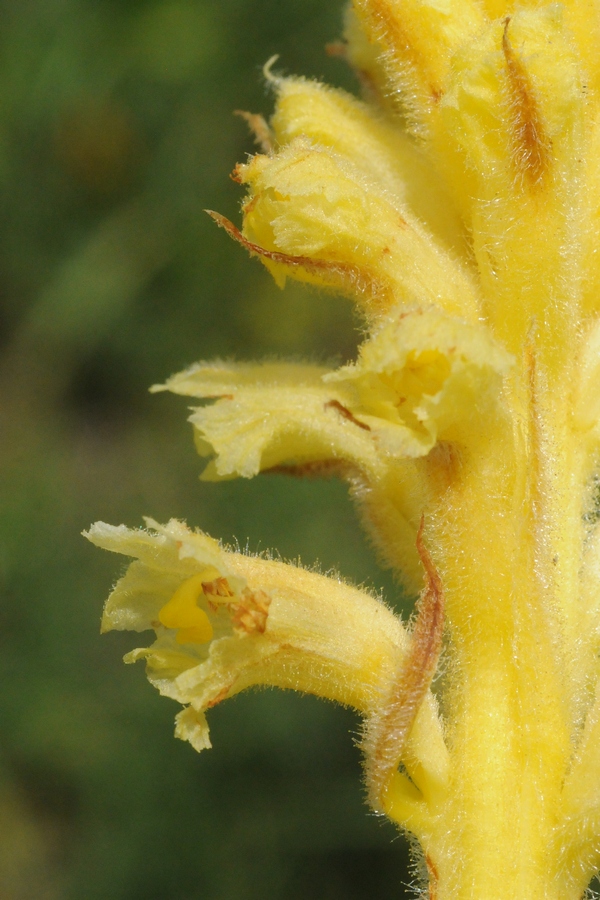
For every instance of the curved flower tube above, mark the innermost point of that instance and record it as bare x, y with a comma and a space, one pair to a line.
225, 622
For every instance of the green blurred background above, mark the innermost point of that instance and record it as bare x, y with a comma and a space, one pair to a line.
116, 131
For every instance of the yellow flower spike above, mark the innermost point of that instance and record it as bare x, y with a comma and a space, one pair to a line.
472, 406
182, 612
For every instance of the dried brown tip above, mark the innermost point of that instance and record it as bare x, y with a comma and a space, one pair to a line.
346, 414
287, 259
345, 276
263, 136
386, 737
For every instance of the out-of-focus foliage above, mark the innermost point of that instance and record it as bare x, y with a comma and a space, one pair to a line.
116, 130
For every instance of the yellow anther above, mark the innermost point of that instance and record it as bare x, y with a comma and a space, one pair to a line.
183, 613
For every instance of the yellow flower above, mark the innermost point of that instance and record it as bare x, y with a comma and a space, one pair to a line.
460, 210
225, 622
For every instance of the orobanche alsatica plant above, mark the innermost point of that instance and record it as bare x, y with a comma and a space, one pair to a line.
460, 209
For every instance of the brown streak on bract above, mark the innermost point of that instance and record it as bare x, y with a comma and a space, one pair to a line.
345, 412
363, 284
262, 134
401, 44
319, 468
531, 144
433, 877
316, 266
412, 683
